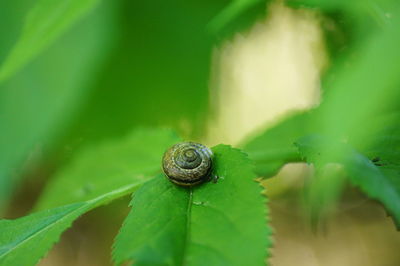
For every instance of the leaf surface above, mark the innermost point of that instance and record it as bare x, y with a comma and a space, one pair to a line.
275, 146
378, 182
36, 106
154, 233
26, 240
236, 16
98, 170
224, 222
229, 218
45, 22
99, 175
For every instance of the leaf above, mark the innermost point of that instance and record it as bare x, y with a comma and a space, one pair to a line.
353, 114
224, 222
154, 231
37, 105
236, 16
98, 170
356, 95
98, 176
168, 93
377, 183
26, 240
359, 15
343, 112
229, 219
373, 6
385, 153
361, 86
363, 83
322, 191
275, 146
45, 22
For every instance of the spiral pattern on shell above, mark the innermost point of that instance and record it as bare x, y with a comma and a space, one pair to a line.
187, 163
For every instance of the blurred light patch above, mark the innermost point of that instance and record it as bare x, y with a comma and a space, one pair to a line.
263, 74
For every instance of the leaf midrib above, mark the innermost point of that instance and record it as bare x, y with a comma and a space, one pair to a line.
188, 222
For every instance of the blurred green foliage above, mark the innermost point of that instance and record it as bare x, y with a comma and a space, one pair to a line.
359, 110
133, 159
122, 65
36, 104
39, 31
100, 175
26, 240
75, 73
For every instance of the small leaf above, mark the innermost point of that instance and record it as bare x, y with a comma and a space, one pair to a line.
322, 192
130, 160
236, 16
378, 183
26, 240
224, 222
46, 97
154, 233
275, 147
46, 21
229, 219
98, 175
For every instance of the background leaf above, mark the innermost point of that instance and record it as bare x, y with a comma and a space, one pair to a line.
114, 164
97, 176
237, 16
157, 74
45, 22
275, 146
361, 171
36, 104
224, 222
26, 240
360, 92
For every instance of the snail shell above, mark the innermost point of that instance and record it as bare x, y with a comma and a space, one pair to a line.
187, 163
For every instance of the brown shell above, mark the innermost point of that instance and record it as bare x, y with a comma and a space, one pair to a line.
187, 163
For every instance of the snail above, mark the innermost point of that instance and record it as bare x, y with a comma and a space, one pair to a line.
188, 163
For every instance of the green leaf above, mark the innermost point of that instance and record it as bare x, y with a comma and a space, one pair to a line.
380, 184
130, 160
224, 222
372, 6
45, 22
356, 95
98, 176
168, 93
322, 191
154, 233
385, 153
376, 182
343, 112
236, 16
385, 141
26, 240
374, 14
360, 85
37, 105
275, 146
229, 219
